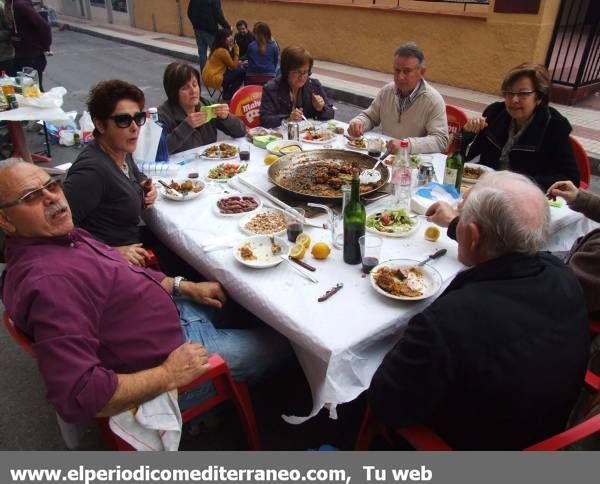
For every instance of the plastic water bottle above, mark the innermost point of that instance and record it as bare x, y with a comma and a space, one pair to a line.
162, 153
401, 178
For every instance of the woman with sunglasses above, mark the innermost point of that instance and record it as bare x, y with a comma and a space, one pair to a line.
105, 189
523, 134
186, 125
294, 93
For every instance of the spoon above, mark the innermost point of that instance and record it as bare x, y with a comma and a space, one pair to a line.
371, 175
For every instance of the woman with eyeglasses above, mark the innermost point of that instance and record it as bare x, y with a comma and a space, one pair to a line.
186, 125
294, 93
223, 69
105, 189
523, 134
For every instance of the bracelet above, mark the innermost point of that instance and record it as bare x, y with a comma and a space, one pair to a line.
176, 283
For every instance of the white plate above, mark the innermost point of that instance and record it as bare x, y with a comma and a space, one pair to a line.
275, 146
248, 217
220, 214
318, 141
486, 169
219, 158
189, 196
431, 276
393, 234
225, 180
261, 248
352, 147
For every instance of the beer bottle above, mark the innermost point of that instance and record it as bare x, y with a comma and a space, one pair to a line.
354, 222
455, 164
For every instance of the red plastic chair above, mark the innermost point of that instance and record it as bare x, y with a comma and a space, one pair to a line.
245, 104
423, 438
456, 120
219, 375
583, 162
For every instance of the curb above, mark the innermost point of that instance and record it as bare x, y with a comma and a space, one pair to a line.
337, 94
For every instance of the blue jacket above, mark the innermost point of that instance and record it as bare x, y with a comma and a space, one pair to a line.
276, 105
262, 65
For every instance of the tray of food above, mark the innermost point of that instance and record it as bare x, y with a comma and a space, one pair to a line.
404, 280
226, 171
220, 151
237, 205
261, 251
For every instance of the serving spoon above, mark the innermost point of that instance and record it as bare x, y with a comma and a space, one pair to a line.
371, 175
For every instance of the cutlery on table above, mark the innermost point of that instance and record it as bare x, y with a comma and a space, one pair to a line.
436, 255
298, 270
303, 264
371, 175
170, 189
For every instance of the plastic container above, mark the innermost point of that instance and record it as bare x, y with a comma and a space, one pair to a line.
162, 153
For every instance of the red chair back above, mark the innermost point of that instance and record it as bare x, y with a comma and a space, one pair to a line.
456, 120
583, 162
245, 104
18, 336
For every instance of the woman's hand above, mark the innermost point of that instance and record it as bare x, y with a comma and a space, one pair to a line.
150, 192
318, 102
134, 254
296, 115
564, 189
207, 293
196, 119
222, 111
475, 124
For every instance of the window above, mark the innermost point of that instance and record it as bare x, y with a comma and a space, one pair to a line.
97, 3
119, 5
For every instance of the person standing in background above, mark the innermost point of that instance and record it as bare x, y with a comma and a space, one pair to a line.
7, 31
206, 17
33, 38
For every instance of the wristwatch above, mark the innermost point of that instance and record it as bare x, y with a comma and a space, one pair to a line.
176, 283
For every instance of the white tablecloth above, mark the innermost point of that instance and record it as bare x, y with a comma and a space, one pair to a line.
340, 342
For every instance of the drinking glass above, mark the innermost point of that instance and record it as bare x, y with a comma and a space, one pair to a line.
370, 248
244, 151
374, 145
295, 223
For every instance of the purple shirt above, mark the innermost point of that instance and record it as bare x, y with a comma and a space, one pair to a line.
90, 314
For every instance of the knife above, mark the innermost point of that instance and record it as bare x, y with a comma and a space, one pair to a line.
436, 255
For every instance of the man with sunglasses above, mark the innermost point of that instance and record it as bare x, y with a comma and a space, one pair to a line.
523, 133
408, 108
108, 335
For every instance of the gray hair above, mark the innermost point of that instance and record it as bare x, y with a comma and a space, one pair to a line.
511, 212
411, 49
5, 165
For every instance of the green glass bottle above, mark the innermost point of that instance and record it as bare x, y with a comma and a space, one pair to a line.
355, 217
455, 164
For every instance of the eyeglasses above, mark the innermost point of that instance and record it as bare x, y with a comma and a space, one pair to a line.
300, 74
53, 185
125, 120
520, 95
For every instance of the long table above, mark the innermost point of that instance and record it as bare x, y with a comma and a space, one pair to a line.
339, 342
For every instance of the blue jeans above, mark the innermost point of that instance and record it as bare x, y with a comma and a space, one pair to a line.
203, 40
251, 353
232, 80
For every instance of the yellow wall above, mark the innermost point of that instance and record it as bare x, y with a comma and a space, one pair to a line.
472, 49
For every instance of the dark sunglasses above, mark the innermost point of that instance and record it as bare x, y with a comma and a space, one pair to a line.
53, 185
125, 120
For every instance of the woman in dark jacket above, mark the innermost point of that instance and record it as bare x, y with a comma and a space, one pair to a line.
523, 133
186, 127
294, 93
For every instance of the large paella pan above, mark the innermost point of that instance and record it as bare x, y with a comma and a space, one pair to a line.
320, 174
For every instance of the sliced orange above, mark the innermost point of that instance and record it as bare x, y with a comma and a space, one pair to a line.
320, 250
297, 251
303, 239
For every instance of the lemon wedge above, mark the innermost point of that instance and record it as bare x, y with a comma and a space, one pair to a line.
303, 239
297, 251
270, 159
432, 233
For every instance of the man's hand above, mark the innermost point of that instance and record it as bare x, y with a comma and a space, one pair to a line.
134, 254
296, 115
565, 189
222, 111
356, 129
185, 364
441, 213
207, 293
393, 145
318, 102
475, 124
196, 119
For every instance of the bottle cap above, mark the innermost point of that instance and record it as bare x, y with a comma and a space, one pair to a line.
404, 143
